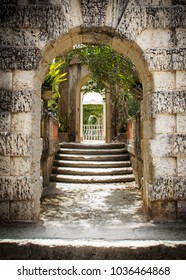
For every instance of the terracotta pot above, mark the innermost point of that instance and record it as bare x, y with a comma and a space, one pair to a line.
46, 93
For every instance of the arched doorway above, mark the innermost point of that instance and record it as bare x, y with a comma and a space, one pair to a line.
92, 117
147, 38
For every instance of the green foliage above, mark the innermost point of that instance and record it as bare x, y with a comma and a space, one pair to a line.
52, 80
92, 110
107, 68
133, 106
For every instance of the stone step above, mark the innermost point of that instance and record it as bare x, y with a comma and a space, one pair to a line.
92, 171
96, 146
92, 151
91, 164
74, 157
91, 179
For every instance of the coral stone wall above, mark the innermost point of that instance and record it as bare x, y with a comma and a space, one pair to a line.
151, 33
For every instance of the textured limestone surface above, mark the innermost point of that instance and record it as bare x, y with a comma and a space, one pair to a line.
151, 33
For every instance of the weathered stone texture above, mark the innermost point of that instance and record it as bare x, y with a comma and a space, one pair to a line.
164, 81
180, 188
181, 207
162, 189
166, 59
181, 123
181, 166
6, 80
94, 12
15, 188
4, 166
168, 145
21, 123
20, 166
21, 210
17, 101
165, 124
5, 121
164, 166
164, 210
137, 18
179, 144
181, 80
168, 102
168, 188
4, 213
51, 18
14, 144
19, 58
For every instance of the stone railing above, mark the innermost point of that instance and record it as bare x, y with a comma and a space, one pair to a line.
93, 132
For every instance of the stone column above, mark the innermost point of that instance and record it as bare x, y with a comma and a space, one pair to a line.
74, 118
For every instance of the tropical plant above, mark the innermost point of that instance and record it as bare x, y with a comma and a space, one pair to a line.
54, 77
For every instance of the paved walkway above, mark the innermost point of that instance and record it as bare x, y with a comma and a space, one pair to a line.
110, 212
86, 221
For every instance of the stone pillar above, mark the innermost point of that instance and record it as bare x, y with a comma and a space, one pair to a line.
164, 166
20, 148
74, 75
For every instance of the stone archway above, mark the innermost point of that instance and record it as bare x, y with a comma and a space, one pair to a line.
151, 35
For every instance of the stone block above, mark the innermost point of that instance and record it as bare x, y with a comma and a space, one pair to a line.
181, 205
5, 121
179, 145
21, 123
15, 188
162, 102
20, 166
4, 166
179, 101
164, 210
181, 123
162, 189
165, 59
18, 101
19, 58
165, 124
155, 38
21, 211
181, 80
181, 166
180, 37
23, 79
36, 149
14, 144
164, 166
162, 145
180, 188
6, 80
4, 213
164, 81
97, 15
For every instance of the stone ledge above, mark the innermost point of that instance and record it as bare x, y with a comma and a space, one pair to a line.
97, 250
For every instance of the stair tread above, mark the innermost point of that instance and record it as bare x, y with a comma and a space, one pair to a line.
84, 179
109, 163
92, 171
92, 151
92, 163
91, 157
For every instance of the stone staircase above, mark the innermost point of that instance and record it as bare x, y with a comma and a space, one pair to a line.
92, 163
